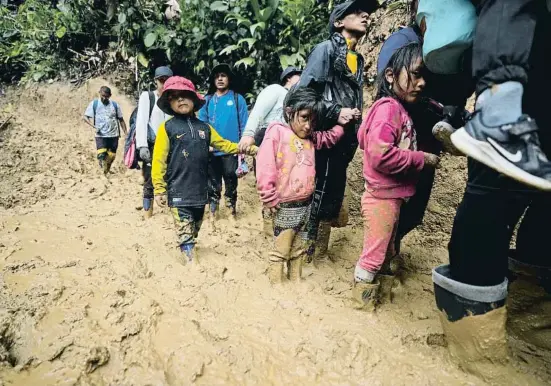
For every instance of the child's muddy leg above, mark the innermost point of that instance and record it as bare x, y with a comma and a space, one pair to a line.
279, 255
186, 229
298, 251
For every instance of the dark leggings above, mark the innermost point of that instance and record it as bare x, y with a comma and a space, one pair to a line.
413, 211
223, 168
482, 231
148, 182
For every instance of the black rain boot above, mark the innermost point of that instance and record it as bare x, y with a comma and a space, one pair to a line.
473, 319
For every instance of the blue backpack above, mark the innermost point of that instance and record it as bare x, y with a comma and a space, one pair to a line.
450, 32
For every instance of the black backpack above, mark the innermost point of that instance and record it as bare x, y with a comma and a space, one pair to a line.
131, 154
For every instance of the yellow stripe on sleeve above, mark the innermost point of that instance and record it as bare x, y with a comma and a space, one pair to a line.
222, 144
159, 163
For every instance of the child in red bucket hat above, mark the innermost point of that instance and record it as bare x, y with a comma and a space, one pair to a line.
180, 159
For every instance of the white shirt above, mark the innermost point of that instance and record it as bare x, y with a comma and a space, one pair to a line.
106, 118
267, 109
143, 119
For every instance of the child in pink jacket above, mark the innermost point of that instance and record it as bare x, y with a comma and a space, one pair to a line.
286, 174
391, 166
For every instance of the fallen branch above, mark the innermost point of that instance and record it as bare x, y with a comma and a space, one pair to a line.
5, 123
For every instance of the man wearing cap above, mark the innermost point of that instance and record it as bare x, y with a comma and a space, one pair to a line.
267, 109
335, 69
227, 112
148, 120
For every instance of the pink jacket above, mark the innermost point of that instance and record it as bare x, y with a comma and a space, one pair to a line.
391, 162
285, 164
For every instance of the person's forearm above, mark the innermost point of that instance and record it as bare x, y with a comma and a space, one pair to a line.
123, 127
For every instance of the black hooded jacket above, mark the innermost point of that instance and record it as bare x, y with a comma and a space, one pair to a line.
328, 73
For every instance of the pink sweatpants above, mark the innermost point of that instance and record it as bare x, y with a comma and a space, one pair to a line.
380, 224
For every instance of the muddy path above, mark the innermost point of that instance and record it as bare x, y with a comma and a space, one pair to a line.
91, 294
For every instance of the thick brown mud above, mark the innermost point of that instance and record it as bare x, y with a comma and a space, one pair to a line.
91, 294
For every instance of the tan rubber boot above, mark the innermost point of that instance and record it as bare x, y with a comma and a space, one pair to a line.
279, 255
109, 158
298, 255
276, 271
365, 295
473, 320
267, 223
322, 242
295, 269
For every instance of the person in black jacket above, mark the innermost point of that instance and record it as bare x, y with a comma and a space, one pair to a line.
335, 69
181, 159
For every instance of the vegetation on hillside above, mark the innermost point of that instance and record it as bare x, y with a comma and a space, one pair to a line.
44, 40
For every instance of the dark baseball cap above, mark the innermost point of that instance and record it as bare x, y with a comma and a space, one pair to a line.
289, 71
345, 9
163, 71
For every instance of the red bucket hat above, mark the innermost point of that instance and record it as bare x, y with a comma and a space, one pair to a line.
178, 83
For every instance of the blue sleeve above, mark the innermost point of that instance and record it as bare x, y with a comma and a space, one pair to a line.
243, 113
203, 112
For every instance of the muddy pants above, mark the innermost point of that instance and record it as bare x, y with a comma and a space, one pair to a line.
504, 41
107, 147
146, 172
380, 226
493, 204
483, 228
188, 222
292, 243
223, 168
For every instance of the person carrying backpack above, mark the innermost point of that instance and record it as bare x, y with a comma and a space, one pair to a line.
227, 112
105, 116
148, 119
335, 69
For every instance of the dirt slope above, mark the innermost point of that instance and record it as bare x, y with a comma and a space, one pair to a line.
90, 294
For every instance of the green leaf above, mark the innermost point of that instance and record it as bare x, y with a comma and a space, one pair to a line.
247, 62
250, 42
37, 76
61, 32
200, 66
260, 25
150, 39
223, 32
122, 17
229, 49
219, 6
143, 60
285, 61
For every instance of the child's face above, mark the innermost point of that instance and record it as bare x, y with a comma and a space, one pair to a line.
181, 103
408, 86
302, 124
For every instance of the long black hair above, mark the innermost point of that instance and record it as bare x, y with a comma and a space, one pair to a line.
302, 98
404, 57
